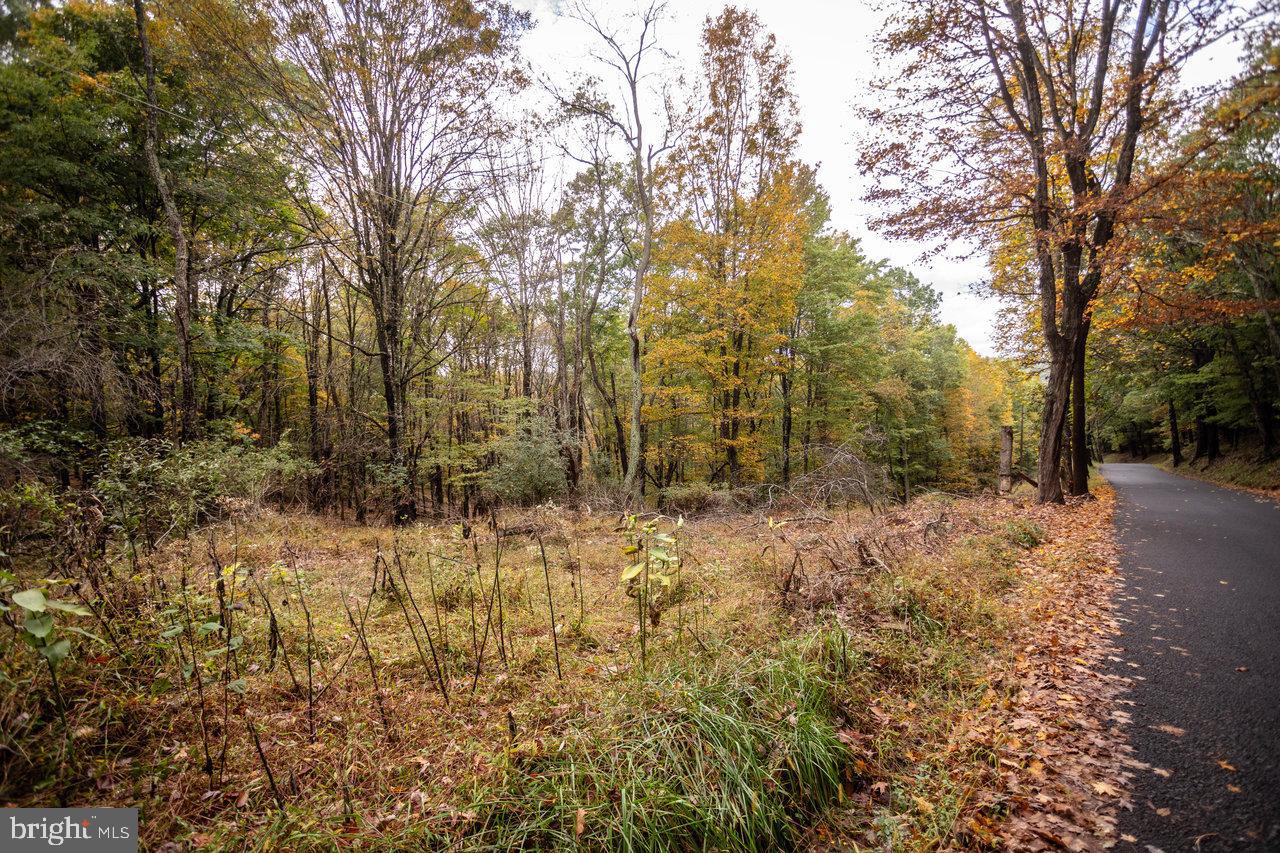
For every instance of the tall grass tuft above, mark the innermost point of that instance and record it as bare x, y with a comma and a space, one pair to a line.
729, 756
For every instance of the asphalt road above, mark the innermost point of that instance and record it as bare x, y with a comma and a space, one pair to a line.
1200, 609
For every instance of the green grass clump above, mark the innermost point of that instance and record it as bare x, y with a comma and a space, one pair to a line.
1024, 533
722, 757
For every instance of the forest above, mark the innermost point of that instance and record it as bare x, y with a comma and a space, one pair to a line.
424, 318
408, 444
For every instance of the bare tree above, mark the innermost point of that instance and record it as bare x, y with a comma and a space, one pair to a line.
520, 245
626, 55
391, 104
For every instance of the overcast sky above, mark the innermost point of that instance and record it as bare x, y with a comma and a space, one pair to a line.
831, 47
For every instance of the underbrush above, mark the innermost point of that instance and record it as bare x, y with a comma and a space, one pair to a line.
932, 676
749, 684
1242, 469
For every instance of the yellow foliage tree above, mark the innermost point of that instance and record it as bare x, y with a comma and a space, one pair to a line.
729, 264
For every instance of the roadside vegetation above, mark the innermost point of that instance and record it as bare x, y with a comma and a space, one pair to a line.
408, 442
1245, 467
553, 676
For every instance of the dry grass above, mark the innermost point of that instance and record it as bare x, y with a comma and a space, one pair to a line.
791, 667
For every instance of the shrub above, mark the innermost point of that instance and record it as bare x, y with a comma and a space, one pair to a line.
1024, 533
687, 498
529, 468
28, 509
152, 485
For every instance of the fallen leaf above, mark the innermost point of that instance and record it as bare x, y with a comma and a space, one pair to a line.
1226, 765
242, 800
1106, 788
1161, 772
1242, 669
1235, 789
1170, 730
580, 822
1163, 812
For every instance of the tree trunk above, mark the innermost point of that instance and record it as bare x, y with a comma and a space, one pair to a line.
906, 474
1056, 394
1175, 440
1257, 402
1006, 460
1208, 446
526, 356
311, 338
182, 293
786, 427
403, 499
1079, 433
633, 483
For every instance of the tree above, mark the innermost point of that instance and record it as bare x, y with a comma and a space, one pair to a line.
183, 300
89, 264
1195, 316
597, 220
377, 265
733, 257
1030, 115
628, 58
391, 106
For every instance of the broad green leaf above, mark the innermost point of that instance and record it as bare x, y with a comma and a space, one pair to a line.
31, 599
57, 652
38, 624
69, 607
82, 632
209, 628
238, 686
633, 571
